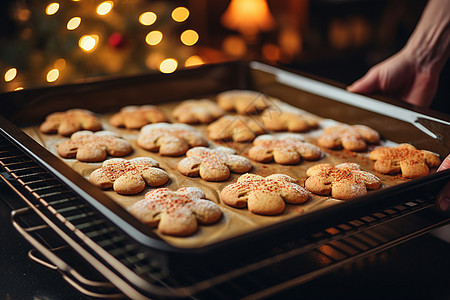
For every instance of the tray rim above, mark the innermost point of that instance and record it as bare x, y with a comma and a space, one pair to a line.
120, 217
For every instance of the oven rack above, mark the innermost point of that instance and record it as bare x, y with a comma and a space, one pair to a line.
127, 268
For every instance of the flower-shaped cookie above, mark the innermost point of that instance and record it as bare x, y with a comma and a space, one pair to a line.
236, 128
170, 139
90, 147
293, 120
283, 149
129, 177
344, 181
350, 137
70, 121
244, 101
135, 117
264, 196
404, 159
176, 213
197, 111
213, 164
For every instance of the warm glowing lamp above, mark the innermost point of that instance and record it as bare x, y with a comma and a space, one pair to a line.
248, 17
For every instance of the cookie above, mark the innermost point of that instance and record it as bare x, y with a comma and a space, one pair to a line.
135, 117
213, 164
68, 122
264, 196
283, 149
197, 111
128, 177
293, 120
243, 101
236, 128
404, 159
350, 137
178, 212
170, 139
91, 147
344, 181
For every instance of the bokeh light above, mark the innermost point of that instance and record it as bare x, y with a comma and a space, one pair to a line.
154, 37
189, 37
73, 23
88, 42
104, 7
168, 65
52, 75
147, 18
180, 14
52, 8
10, 74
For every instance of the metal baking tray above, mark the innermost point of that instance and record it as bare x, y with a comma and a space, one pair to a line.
395, 122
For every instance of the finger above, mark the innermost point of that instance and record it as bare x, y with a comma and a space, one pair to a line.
443, 198
367, 84
445, 164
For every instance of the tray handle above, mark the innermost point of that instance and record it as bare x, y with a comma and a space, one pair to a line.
72, 276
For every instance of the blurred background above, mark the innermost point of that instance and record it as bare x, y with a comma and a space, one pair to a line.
57, 42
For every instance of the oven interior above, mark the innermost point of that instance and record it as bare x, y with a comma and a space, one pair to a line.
58, 216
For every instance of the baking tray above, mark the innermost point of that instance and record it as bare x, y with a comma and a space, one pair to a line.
395, 121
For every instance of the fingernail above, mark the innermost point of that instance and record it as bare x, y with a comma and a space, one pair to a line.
444, 204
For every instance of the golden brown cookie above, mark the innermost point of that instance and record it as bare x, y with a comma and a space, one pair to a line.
128, 177
244, 101
70, 121
176, 212
293, 120
213, 164
283, 149
135, 117
350, 137
404, 159
344, 181
170, 139
197, 111
90, 147
264, 196
236, 128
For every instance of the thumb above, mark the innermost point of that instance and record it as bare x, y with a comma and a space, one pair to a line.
367, 84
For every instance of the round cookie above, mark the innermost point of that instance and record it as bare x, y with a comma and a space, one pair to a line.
176, 213
349, 137
202, 111
129, 177
68, 122
244, 101
170, 139
264, 196
135, 117
236, 128
344, 181
404, 159
283, 149
213, 164
87, 146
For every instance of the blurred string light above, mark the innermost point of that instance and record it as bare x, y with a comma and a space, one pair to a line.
52, 75
10, 74
154, 37
88, 42
52, 8
18, 88
189, 37
194, 60
147, 18
73, 23
180, 14
169, 65
104, 7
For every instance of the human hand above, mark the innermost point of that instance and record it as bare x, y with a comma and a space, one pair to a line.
443, 198
402, 77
